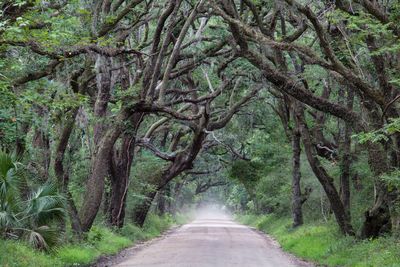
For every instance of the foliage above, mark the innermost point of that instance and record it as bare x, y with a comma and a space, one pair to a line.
392, 179
245, 172
32, 218
382, 134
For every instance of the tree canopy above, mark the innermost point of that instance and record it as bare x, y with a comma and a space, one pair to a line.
128, 106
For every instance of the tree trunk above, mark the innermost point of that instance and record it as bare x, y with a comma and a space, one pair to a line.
122, 158
140, 212
20, 144
183, 161
377, 219
175, 203
297, 212
104, 85
325, 180
167, 197
104, 141
345, 163
62, 176
41, 144
384, 216
95, 183
161, 205
345, 131
119, 174
119, 186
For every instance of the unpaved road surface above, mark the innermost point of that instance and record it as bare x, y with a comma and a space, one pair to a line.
212, 240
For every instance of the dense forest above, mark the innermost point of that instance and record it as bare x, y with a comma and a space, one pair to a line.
117, 113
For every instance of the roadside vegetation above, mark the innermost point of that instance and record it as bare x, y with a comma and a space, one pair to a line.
323, 244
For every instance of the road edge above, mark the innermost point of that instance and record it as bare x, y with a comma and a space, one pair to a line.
111, 260
299, 261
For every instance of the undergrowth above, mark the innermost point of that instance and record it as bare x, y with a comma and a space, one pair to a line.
323, 244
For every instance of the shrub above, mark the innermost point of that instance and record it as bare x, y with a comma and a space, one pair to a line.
133, 232
31, 219
106, 241
155, 224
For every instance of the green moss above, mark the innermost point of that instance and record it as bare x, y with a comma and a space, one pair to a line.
322, 243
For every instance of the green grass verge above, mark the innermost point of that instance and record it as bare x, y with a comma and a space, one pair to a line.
323, 244
16, 254
100, 241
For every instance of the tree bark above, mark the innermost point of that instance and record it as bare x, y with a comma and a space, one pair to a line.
120, 170
140, 213
297, 213
345, 131
62, 176
20, 144
95, 183
41, 144
345, 163
104, 85
121, 160
175, 204
325, 180
161, 205
377, 219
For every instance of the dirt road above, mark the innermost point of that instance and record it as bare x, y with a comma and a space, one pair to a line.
212, 240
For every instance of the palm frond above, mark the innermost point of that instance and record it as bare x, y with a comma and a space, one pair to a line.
46, 205
10, 181
6, 163
42, 237
32, 218
7, 220
50, 235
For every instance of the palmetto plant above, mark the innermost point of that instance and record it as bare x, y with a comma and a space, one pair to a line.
33, 217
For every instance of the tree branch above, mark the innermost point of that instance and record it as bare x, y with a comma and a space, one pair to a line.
144, 142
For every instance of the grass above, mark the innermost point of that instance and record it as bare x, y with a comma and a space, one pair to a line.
72, 255
322, 244
100, 241
16, 254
